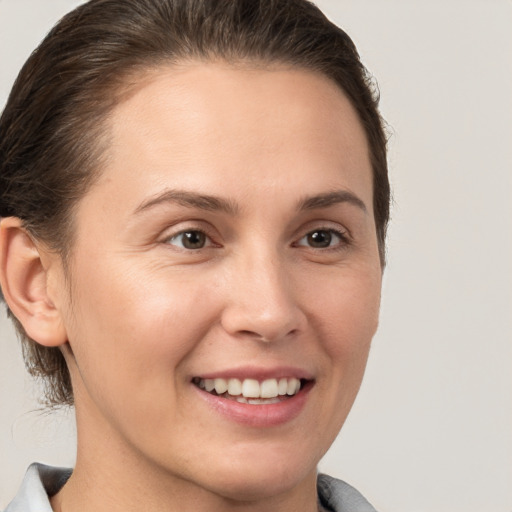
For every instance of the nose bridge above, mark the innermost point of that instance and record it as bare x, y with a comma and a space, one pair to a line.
263, 303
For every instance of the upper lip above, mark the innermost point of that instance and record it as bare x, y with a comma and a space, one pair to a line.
258, 373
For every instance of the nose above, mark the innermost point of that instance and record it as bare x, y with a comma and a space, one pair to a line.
261, 301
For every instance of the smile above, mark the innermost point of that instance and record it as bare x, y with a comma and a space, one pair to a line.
251, 391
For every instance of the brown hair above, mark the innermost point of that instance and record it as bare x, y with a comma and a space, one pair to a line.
51, 131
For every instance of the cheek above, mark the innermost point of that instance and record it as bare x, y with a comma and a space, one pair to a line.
343, 313
132, 328
347, 313
346, 317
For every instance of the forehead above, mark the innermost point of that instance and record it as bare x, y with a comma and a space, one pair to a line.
235, 95
216, 125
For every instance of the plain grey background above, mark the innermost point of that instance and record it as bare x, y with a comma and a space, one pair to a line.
432, 427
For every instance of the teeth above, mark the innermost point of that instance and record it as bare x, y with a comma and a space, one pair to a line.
257, 401
282, 386
269, 388
250, 390
293, 386
221, 386
234, 387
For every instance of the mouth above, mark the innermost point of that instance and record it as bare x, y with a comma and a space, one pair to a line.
252, 391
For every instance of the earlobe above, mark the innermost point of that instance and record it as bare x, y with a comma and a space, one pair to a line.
24, 282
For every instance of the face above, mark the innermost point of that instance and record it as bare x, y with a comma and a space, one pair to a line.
230, 242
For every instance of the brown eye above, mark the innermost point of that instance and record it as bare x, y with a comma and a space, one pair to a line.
322, 239
319, 239
189, 240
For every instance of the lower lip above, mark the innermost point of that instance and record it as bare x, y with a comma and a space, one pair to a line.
258, 415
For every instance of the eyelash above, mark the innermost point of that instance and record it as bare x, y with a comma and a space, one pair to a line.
343, 239
180, 235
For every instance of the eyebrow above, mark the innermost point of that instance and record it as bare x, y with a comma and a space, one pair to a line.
331, 198
190, 200
213, 203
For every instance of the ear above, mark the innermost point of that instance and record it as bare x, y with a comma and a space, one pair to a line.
24, 282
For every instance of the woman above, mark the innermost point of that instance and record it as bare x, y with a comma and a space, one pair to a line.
194, 200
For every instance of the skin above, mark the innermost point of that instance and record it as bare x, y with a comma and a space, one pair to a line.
143, 315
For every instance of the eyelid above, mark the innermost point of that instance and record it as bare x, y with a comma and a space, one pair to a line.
178, 236
342, 233
185, 227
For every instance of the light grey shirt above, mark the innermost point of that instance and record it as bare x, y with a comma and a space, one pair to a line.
42, 481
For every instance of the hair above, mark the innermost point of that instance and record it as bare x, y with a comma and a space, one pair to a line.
52, 130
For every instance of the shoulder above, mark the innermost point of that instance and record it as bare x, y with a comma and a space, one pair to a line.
40, 482
338, 496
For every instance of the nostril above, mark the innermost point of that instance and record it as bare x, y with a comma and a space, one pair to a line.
254, 335
250, 334
265, 338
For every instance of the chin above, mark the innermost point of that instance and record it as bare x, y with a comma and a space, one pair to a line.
259, 477
258, 487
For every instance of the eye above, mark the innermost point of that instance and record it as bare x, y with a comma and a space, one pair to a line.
191, 239
322, 239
